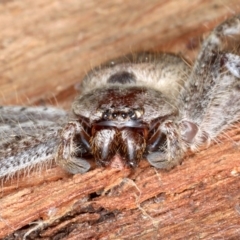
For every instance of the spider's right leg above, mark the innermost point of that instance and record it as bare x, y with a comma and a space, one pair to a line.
68, 150
211, 97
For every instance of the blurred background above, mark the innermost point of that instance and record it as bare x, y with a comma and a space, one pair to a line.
46, 47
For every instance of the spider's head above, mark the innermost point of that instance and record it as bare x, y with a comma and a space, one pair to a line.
121, 121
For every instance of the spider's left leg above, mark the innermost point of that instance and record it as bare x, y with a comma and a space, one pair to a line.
166, 147
29, 137
211, 97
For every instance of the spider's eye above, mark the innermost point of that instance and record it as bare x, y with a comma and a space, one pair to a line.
105, 115
135, 114
132, 115
114, 115
124, 115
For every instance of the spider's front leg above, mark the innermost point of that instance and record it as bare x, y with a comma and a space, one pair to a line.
211, 96
69, 150
167, 145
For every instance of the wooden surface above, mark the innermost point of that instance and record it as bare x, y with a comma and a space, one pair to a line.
46, 48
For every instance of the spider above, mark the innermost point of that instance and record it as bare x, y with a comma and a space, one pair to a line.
144, 105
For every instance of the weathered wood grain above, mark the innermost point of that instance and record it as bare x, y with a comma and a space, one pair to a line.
46, 48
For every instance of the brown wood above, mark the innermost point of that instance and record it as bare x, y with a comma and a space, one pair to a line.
46, 48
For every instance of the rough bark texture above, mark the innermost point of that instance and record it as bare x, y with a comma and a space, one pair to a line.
46, 48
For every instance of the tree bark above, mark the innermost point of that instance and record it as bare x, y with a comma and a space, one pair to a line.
46, 48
